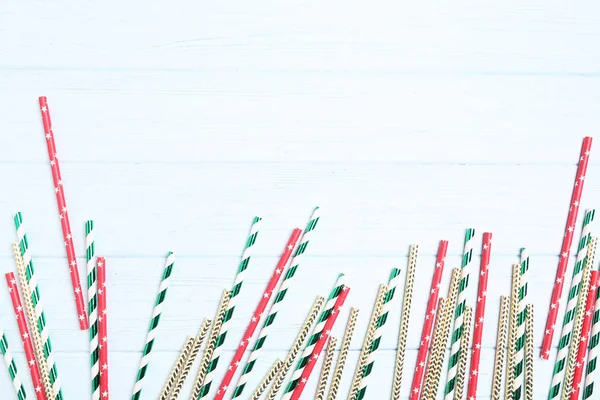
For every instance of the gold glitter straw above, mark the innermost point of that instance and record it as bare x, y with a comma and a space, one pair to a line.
529, 353
464, 352
267, 380
512, 332
501, 343
362, 359
325, 369
191, 358
404, 320
341, 361
578, 320
212, 340
438, 347
291, 357
179, 364
35, 334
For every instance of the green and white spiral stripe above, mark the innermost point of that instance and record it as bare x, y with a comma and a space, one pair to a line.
38, 307
262, 335
521, 318
594, 351
162, 293
235, 291
568, 320
92, 308
387, 303
12, 367
315, 336
466, 265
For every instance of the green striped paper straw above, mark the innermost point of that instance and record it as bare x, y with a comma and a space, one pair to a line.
315, 336
162, 293
235, 291
92, 308
466, 265
387, 303
37, 305
12, 367
594, 350
521, 318
568, 320
287, 279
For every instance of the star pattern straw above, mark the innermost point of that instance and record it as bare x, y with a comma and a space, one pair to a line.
102, 328
12, 367
256, 317
63, 212
566, 247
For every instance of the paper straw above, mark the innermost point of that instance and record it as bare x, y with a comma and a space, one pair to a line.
435, 361
342, 356
466, 266
189, 362
249, 333
312, 360
291, 357
415, 390
63, 213
409, 284
592, 362
486, 249
567, 328
326, 369
162, 293
565, 250
37, 305
12, 367
92, 299
165, 393
578, 319
385, 309
212, 339
520, 332
329, 311
462, 360
36, 378
31, 317
264, 384
501, 343
529, 353
102, 327
581, 345
235, 291
362, 358
279, 297
512, 332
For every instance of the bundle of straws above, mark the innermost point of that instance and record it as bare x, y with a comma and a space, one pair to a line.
449, 322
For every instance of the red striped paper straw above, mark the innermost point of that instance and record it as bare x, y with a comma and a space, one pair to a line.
339, 303
565, 250
260, 309
102, 327
585, 334
63, 213
34, 370
415, 390
479, 314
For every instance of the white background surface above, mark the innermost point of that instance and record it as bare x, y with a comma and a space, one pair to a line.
177, 122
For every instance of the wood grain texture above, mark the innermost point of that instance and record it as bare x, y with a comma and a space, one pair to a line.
177, 123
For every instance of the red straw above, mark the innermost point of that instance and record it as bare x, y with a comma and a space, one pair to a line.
102, 327
565, 250
479, 314
415, 390
320, 344
27, 345
64, 215
260, 309
585, 334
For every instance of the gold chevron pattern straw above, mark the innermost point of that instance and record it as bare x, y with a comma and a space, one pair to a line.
501, 343
264, 384
341, 361
464, 349
438, 347
512, 331
529, 353
177, 368
326, 369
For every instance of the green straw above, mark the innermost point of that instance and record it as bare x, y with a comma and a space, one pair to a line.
12, 367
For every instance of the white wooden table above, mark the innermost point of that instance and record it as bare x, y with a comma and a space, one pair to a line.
177, 123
